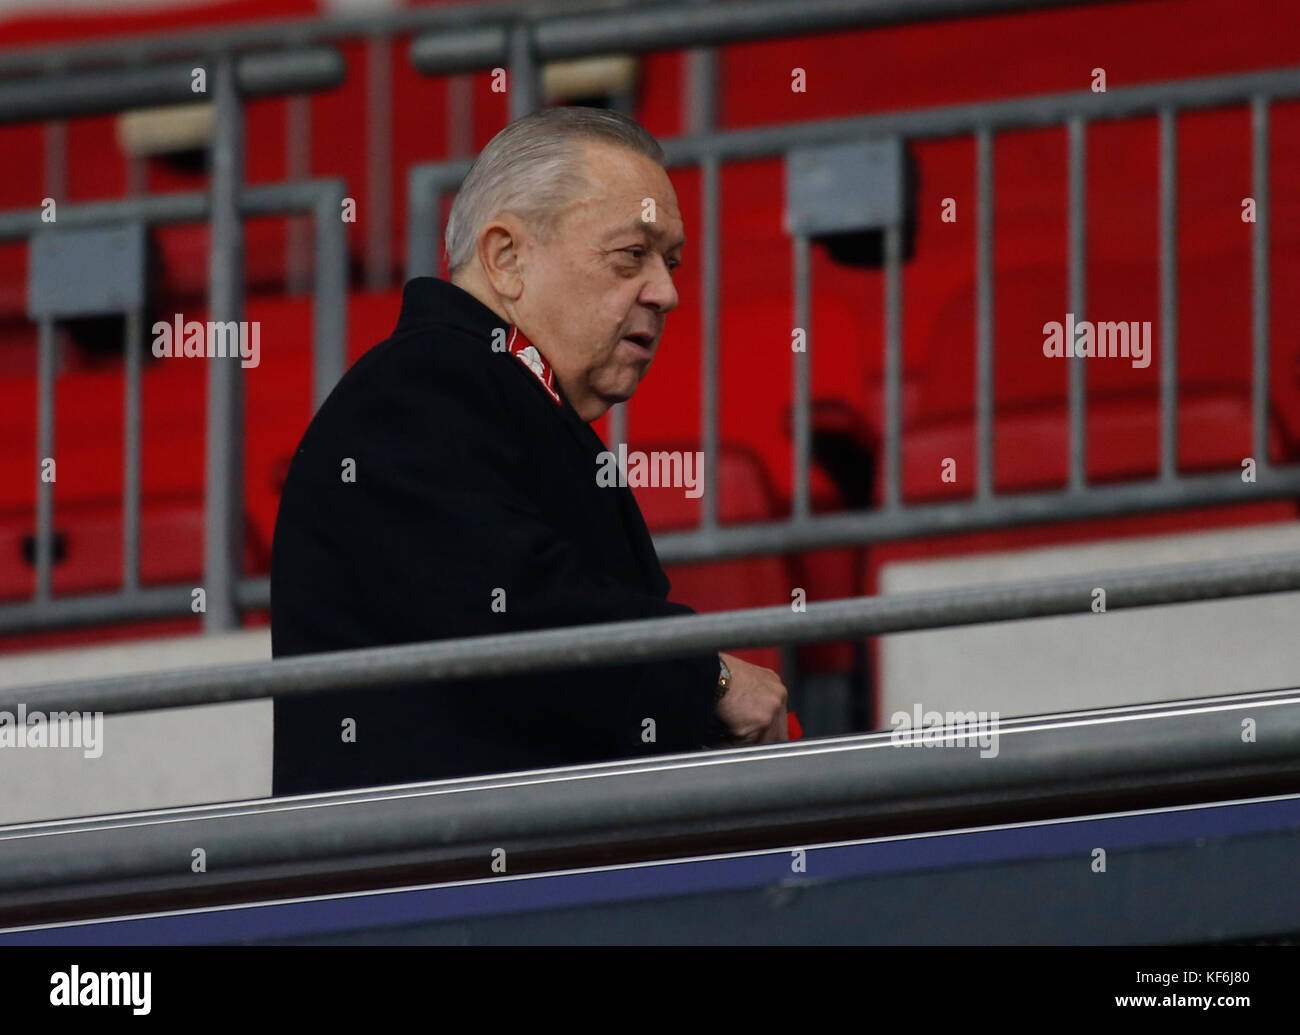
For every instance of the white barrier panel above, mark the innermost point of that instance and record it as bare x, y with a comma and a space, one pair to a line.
1093, 660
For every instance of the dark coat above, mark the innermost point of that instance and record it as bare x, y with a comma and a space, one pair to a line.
469, 478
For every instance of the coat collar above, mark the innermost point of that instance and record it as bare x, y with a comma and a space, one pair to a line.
427, 301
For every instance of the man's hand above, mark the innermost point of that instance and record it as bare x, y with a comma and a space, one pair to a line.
754, 709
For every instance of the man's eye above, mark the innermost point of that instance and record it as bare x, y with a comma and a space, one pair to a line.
636, 253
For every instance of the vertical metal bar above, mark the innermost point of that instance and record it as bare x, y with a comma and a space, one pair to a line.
617, 425
1078, 246
1168, 294
460, 144
379, 159
701, 93
802, 380
524, 86
297, 160
422, 229
223, 503
460, 116
56, 160
137, 166
711, 355
1259, 278
55, 179
701, 100
137, 176
893, 366
329, 296
45, 372
133, 346
984, 313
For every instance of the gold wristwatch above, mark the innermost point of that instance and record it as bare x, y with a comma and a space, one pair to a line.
724, 678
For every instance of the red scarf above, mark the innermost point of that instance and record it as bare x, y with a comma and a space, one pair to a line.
531, 357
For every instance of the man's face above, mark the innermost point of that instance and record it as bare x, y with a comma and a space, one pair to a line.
596, 295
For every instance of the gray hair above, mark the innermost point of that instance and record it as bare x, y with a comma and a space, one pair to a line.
532, 169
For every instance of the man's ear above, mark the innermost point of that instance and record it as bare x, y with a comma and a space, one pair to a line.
499, 244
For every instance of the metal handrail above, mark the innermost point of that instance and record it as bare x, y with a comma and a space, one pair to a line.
450, 17
647, 639
112, 90
285, 32
805, 793
671, 27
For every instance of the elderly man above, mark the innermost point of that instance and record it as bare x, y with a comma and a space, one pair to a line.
448, 486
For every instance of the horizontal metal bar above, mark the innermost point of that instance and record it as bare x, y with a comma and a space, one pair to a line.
861, 528
642, 28
94, 608
702, 25
180, 207
117, 89
667, 807
632, 641
265, 74
848, 529
958, 119
463, 50
272, 199
286, 31
950, 120
254, 594
130, 604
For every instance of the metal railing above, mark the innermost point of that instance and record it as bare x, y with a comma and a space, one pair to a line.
229, 199
523, 36
1147, 755
650, 639
677, 806
516, 34
322, 199
894, 519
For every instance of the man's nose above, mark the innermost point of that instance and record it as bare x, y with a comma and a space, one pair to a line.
660, 291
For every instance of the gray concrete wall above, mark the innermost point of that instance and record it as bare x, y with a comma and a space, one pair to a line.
150, 760
1094, 660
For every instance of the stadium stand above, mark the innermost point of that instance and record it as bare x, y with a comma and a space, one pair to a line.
935, 431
